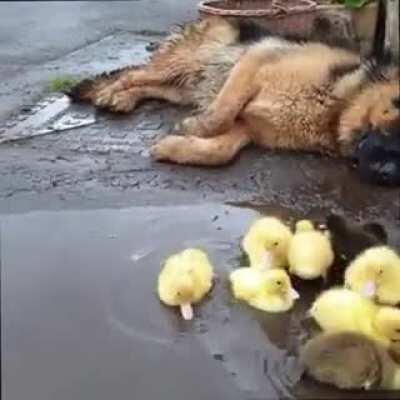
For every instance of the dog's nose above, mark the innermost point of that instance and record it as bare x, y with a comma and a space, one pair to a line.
354, 162
389, 172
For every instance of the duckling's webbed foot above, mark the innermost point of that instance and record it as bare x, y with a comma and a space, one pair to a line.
187, 311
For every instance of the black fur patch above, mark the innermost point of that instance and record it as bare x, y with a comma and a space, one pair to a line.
250, 31
78, 92
376, 70
349, 238
340, 70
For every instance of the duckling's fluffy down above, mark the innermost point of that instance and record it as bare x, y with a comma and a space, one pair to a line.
350, 360
375, 273
191, 266
341, 309
267, 236
268, 290
310, 252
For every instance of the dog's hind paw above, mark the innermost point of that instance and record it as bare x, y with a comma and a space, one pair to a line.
123, 102
156, 152
104, 97
170, 148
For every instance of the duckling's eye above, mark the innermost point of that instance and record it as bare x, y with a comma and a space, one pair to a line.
275, 244
279, 283
380, 271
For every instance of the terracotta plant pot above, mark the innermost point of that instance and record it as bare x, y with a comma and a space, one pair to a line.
304, 18
280, 17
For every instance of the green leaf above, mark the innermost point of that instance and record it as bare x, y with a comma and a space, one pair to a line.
355, 3
62, 83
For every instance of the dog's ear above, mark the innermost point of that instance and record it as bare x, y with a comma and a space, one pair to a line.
378, 231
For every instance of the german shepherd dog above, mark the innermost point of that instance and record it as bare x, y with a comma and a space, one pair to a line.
247, 86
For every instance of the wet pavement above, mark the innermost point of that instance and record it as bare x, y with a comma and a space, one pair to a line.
35, 35
81, 319
86, 219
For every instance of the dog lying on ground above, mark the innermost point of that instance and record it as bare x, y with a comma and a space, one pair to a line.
250, 87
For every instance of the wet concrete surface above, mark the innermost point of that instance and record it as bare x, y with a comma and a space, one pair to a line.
81, 319
28, 86
38, 31
37, 36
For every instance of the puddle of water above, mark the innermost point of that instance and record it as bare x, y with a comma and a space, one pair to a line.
81, 320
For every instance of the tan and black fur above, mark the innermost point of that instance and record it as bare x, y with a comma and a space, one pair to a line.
274, 92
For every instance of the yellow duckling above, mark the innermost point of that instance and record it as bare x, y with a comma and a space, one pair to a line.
375, 274
266, 289
310, 252
267, 243
340, 309
185, 279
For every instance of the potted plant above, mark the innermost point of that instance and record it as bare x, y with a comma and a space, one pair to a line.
350, 20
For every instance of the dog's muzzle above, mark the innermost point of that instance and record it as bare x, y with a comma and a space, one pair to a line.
377, 156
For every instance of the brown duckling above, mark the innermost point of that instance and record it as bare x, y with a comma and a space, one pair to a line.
349, 238
350, 360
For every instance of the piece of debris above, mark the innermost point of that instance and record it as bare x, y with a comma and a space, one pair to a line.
48, 116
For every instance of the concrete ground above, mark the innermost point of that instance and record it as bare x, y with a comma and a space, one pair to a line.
34, 33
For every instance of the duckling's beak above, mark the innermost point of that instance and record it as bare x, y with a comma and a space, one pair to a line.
367, 385
309, 314
267, 260
187, 311
369, 289
294, 295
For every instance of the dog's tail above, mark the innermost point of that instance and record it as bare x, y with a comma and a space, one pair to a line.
178, 47
85, 91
